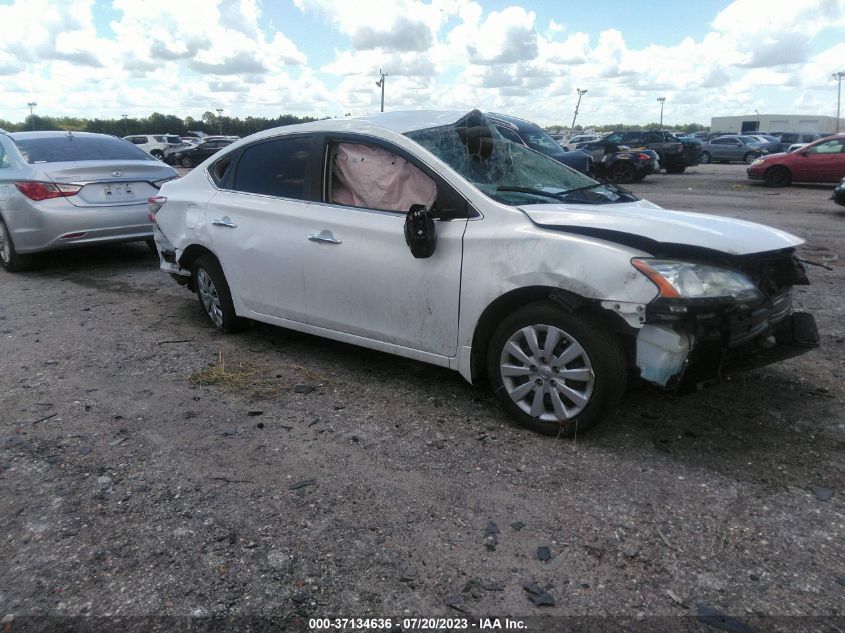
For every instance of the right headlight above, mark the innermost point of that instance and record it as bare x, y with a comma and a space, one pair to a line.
687, 280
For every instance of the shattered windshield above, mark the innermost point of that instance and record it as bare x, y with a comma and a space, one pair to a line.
508, 172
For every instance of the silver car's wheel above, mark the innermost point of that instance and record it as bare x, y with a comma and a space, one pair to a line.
546, 373
209, 298
555, 372
10, 259
4, 244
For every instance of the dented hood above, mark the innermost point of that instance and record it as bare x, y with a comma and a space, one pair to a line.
643, 224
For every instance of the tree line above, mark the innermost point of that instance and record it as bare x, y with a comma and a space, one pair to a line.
156, 123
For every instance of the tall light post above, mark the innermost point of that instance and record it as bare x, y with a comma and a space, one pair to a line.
380, 84
125, 125
220, 120
838, 77
31, 105
662, 100
581, 93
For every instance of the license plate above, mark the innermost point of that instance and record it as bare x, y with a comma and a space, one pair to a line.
121, 190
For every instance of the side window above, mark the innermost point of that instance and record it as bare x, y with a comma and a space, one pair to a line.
833, 146
274, 168
631, 138
614, 138
4, 159
374, 178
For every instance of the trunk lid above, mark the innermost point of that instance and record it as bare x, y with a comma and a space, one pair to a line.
109, 183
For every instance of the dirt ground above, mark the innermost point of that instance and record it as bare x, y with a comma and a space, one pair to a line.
151, 466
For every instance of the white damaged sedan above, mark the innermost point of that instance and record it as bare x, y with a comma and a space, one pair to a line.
431, 236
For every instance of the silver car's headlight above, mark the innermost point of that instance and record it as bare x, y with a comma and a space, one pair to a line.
677, 279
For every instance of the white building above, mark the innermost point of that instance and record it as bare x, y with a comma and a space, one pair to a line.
776, 123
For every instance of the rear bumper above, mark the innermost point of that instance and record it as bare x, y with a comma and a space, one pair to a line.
57, 224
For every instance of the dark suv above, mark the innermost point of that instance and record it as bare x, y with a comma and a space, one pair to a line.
668, 147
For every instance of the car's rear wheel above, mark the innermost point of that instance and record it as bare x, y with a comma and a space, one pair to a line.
214, 295
554, 372
778, 176
622, 172
10, 259
157, 154
749, 158
186, 161
705, 157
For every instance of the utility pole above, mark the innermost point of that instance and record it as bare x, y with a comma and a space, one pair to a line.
581, 93
662, 100
220, 120
31, 105
125, 126
380, 83
838, 77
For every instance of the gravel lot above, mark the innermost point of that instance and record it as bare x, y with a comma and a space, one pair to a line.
323, 480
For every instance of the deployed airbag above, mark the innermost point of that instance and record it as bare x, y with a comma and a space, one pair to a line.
366, 176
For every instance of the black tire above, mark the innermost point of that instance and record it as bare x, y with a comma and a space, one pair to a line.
705, 157
676, 169
750, 157
603, 359
151, 244
214, 295
10, 259
186, 161
157, 154
640, 174
622, 172
778, 176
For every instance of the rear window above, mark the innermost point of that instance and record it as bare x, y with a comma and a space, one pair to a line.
173, 139
57, 149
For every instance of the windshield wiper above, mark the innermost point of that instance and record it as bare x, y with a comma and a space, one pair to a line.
593, 186
536, 192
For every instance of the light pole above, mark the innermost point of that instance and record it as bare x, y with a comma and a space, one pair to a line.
662, 100
125, 126
380, 84
838, 77
31, 105
757, 112
220, 120
581, 93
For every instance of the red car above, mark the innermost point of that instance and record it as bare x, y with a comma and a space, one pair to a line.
822, 161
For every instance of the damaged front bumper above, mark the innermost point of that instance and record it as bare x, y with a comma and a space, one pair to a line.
686, 345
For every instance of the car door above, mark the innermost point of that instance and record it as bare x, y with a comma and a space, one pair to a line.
257, 222
821, 162
361, 278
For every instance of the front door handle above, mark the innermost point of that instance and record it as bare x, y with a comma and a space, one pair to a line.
324, 236
224, 221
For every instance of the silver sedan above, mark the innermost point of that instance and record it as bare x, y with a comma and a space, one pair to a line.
65, 189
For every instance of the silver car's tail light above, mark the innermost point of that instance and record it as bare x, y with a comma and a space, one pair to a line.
37, 191
155, 203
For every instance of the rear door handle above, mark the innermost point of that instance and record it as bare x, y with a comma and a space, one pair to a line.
324, 236
224, 221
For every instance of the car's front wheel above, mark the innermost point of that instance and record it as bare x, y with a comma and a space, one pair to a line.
553, 371
676, 169
186, 161
214, 295
10, 259
705, 157
778, 176
750, 157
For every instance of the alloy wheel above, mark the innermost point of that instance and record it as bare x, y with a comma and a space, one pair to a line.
209, 297
546, 373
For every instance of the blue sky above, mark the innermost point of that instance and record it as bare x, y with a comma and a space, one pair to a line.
103, 58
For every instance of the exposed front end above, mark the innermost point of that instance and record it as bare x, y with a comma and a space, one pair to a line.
712, 320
